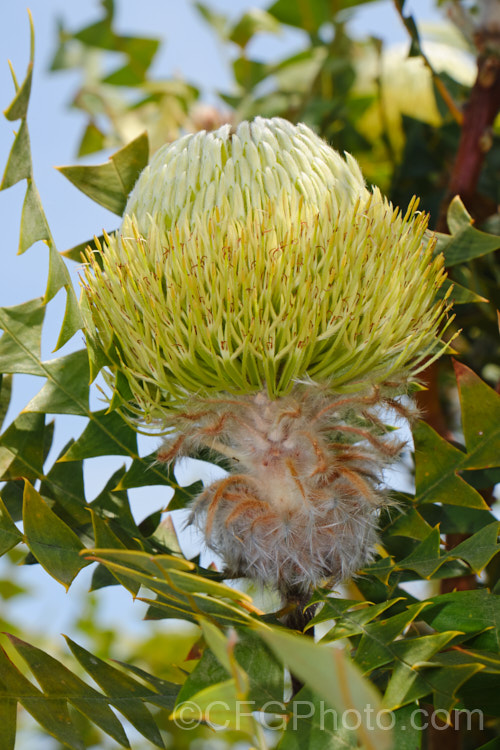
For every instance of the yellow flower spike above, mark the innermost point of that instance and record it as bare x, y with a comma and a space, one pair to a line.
252, 259
255, 284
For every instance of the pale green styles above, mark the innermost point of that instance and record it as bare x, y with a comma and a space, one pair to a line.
252, 259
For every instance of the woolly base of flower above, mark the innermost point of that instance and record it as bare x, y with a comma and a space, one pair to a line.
300, 507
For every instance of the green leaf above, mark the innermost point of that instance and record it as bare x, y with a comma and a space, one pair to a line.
166, 578
410, 653
93, 140
19, 165
9, 533
58, 275
64, 484
109, 184
8, 718
410, 524
54, 544
436, 471
18, 108
57, 681
408, 730
5, 394
352, 622
309, 15
460, 295
72, 321
21, 448
264, 673
331, 675
471, 612
219, 704
126, 694
466, 242
252, 22
52, 715
21, 341
442, 684
67, 388
34, 226
425, 559
142, 561
105, 435
314, 725
376, 647
217, 21
480, 407
147, 471
77, 253
479, 549
107, 539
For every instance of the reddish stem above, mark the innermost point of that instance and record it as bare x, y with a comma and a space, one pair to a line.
476, 138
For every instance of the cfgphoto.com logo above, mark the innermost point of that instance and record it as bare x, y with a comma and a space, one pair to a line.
277, 715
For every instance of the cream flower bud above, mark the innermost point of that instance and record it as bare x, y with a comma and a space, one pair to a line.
252, 259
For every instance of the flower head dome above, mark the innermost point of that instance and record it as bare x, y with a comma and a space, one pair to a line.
253, 258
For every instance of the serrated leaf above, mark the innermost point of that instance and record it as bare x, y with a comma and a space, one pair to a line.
190, 592
480, 407
352, 622
106, 538
34, 226
21, 341
314, 725
148, 471
142, 561
125, 693
5, 394
408, 728
51, 715
64, 484
410, 524
376, 647
72, 320
21, 448
9, 533
18, 108
466, 242
480, 548
115, 505
331, 675
58, 275
56, 680
67, 388
54, 544
442, 684
19, 165
425, 559
223, 648
436, 471
8, 719
93, 140
77, 253
409, 653
471, 612
218, 704
105, 435
109, 184
459, 295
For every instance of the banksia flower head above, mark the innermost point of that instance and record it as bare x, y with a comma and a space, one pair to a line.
258, 300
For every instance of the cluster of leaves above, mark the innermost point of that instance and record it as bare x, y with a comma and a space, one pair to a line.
121, 104
400, 653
